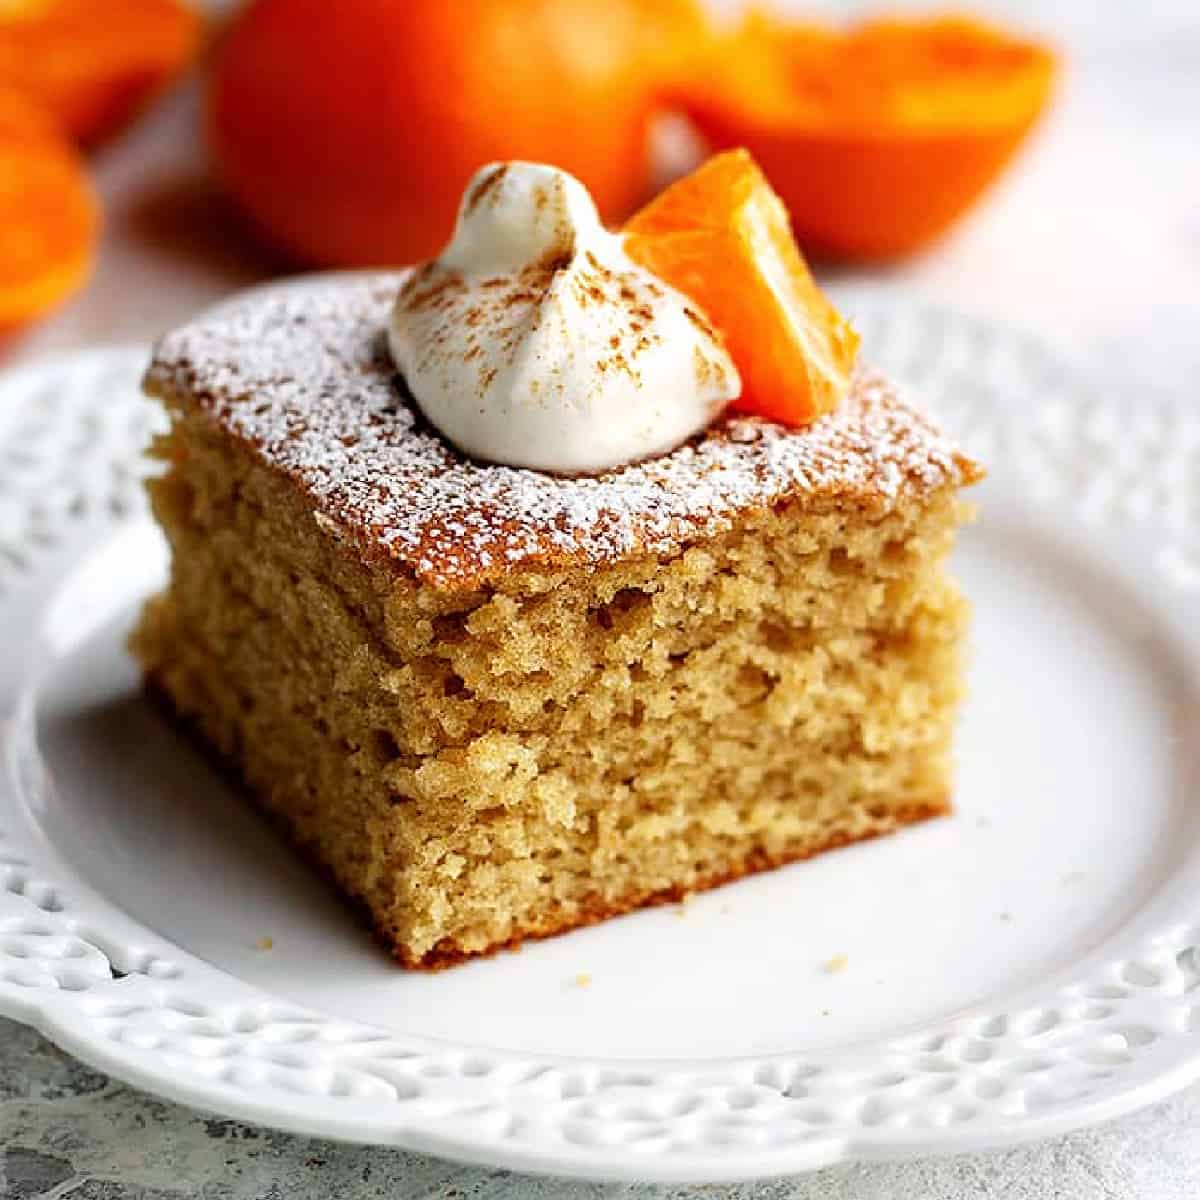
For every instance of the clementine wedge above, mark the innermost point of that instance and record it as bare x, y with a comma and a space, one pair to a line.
721, 236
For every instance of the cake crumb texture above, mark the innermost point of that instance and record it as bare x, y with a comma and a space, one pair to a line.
567, 740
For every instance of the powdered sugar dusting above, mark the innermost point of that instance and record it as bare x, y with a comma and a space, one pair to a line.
301, 373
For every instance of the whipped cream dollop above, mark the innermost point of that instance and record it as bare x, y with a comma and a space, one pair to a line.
535, 341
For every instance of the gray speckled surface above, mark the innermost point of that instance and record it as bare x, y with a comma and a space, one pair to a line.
66, 1131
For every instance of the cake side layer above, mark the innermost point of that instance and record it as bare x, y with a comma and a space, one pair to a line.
299, 373
481, 767
544, 919
832, 577
439, 884
697, 759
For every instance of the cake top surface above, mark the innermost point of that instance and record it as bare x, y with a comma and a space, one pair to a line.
301, 373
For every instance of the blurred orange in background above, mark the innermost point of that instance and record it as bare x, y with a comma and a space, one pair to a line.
94, 64
49, 217
71, 72
345, 130
878, 137
348, 130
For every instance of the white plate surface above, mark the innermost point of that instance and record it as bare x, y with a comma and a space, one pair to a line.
1028, 965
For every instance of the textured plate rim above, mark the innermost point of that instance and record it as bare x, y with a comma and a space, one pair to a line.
126, 1001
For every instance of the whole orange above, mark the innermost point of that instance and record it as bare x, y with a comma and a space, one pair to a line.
347, 130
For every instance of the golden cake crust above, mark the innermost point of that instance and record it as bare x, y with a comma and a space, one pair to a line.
300, 373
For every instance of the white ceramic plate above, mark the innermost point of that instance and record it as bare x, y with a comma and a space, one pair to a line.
1029, 965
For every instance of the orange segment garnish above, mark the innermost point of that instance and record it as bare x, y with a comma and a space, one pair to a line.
49, 218
877, 137
93, 64
721, 236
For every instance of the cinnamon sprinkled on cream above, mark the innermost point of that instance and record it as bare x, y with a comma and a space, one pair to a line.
533, 340
484, 183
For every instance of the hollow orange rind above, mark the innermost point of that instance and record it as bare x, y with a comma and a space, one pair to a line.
880, 137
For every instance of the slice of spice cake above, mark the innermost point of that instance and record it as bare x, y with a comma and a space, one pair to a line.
499, 704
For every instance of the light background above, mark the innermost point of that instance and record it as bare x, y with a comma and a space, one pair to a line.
1092, 243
